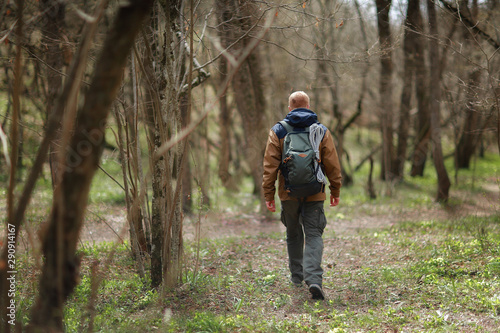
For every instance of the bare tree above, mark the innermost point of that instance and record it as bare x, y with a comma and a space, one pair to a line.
472, 118
329, 78
474, 32
129, 153
224, 14
167, 82
423, 135
161, 114
247, 84
385, 87
60, 270
420, 152
410, 50
52, 31
443, 185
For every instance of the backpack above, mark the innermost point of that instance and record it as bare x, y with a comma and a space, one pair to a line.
300, 162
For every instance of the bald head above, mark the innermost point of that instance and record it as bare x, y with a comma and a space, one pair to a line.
298, 99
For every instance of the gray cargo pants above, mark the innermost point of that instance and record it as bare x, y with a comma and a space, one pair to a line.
304, 219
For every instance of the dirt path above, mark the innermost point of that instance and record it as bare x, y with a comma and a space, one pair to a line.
111, 225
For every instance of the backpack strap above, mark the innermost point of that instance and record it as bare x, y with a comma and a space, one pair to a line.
289, 128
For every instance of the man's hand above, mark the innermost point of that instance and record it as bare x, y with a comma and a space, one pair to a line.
271, 206
334, 201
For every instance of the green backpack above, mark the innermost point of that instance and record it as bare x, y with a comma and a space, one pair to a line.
300, 163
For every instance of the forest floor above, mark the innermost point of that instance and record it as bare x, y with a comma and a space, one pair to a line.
111, 224
400, 263
387, 268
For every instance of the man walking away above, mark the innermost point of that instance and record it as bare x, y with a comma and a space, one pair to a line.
303, 217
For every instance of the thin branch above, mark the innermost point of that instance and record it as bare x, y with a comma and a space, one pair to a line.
184, 133
469, 23
224, 51
103, 220
194, 64
111, 177
6, 36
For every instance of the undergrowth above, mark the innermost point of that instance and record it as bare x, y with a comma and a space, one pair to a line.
431, 275
411, 275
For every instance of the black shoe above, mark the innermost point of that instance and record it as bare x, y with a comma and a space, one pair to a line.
316, 291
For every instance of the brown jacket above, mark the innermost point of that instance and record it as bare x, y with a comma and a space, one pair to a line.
272, 160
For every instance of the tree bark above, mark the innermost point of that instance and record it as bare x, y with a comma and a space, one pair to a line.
225, 132
385, 87
224, 14
409, 49
60, 271
187, 188
152, 82
134, 207
423, 135
247, 86
53, 24
133, 204
170, 112
471, 129
443, 185
420, 152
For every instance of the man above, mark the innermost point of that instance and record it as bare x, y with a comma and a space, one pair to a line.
302, 217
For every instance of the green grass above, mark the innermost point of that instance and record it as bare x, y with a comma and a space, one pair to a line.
432, 268
104, 190
433, 276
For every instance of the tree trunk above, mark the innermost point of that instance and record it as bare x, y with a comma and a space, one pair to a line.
173, 242
151, 83
134, 204
322, 73
248, 88
250, 102
443, 185
60, 270
471, 129
224, 134
422, 93
53, 24
410, 49
187, 188
423, 135
158, 210
131, 197
224, 14
385, 87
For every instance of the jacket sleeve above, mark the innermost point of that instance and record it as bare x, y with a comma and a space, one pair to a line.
331, 164
272, 160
